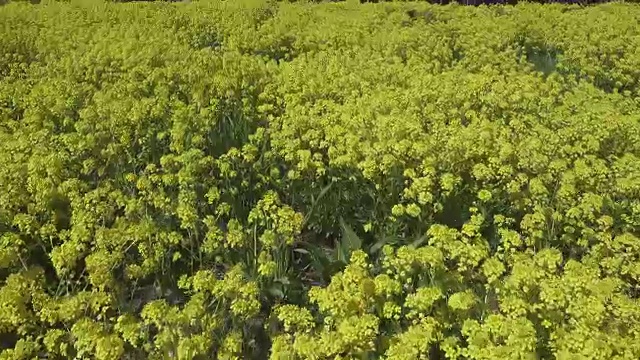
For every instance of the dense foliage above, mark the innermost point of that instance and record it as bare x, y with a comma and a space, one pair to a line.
439, 2
252, 180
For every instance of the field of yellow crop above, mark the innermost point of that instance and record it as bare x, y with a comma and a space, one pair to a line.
256, 179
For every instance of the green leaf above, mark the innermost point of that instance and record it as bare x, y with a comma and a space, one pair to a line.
283, 280
419, 241
348, 243
276, 291
315, 201
378, 245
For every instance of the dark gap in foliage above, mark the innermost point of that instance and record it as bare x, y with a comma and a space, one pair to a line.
260, 343
326, 245
61, 207
8, 340
609, 85
543, 57
454, 213
426, 15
